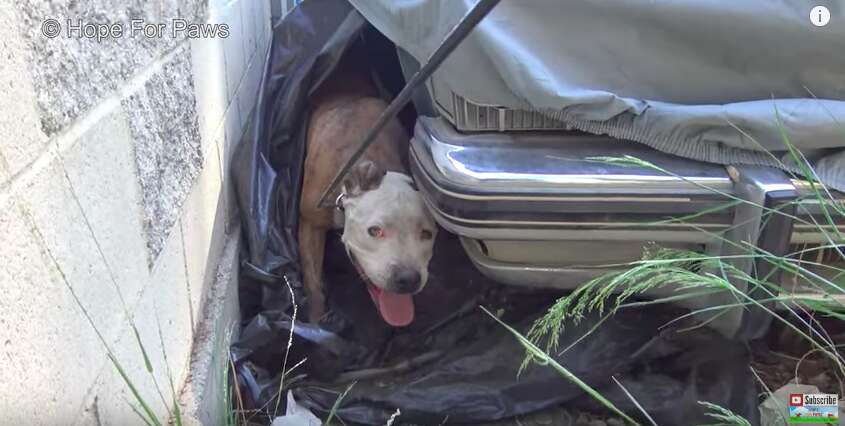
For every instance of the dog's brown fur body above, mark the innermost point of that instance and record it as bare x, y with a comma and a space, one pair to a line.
343, 110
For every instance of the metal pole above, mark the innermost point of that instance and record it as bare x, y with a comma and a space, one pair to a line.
458, 34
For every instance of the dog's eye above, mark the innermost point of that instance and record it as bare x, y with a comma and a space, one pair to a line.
375, 232
425, 234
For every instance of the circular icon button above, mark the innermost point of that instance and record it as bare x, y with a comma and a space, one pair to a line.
820, 16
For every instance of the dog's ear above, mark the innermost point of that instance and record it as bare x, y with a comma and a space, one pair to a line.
363, 177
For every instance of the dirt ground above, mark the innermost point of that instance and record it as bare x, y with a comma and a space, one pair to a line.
784, 357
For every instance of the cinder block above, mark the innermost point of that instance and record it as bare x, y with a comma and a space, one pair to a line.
202, 395
52, 354
258, 24
215, 9
168, 149
277, 8
20, 127
67, 234
233, 49
164, 308
229, 202
4, 171
101, 170
90, 414
248, 96
248, 21
72, 74
267, 28
209, 74
232, 214
257, 72
234, 130
193, 11
203, 231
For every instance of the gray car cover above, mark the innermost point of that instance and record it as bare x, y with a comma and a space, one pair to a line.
721, 81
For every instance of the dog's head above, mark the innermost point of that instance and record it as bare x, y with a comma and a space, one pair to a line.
390, 235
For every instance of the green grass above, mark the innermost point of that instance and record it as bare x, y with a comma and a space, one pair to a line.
336, 404
723, 416
694, 275
141, 407
146, 412
542, 357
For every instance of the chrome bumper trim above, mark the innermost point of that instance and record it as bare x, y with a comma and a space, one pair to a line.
545, 186
537, 164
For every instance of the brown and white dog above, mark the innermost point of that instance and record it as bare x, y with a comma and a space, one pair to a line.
387, 230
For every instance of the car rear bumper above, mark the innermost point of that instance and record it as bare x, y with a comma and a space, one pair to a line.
554, 209
542, 185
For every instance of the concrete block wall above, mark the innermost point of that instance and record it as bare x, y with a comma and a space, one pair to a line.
115, 203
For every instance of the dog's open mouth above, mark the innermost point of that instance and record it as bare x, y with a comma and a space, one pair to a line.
396, 309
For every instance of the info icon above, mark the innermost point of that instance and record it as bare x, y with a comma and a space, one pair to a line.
819, 16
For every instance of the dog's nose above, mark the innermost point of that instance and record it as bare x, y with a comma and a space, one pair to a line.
406, 280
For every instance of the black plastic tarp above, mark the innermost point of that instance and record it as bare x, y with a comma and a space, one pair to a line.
454, 362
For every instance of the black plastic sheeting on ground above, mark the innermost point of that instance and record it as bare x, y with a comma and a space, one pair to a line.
454, 361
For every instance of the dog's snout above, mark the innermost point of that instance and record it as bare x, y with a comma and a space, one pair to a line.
406, 280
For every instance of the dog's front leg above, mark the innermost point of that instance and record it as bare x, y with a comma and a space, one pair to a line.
312, 244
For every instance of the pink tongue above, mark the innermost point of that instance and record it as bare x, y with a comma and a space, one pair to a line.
396, 309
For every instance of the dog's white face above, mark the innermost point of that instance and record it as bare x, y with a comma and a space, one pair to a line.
390, 235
